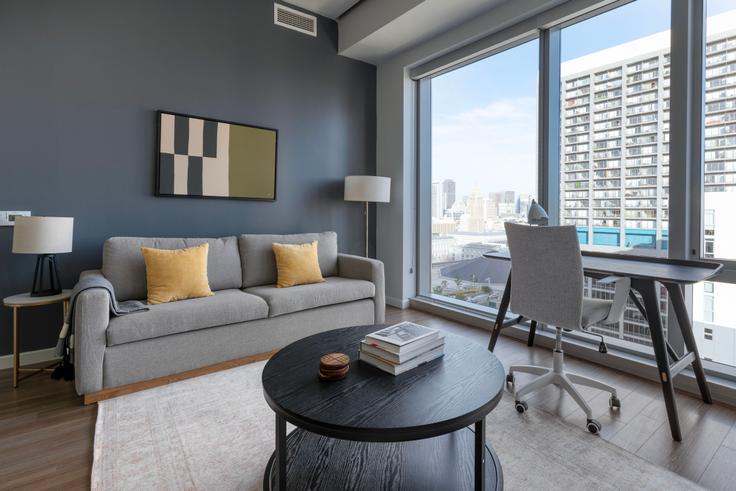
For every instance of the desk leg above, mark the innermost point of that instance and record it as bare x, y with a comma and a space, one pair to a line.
280, 466
498, 325
648, 291
532, 332
683, 320
480, 454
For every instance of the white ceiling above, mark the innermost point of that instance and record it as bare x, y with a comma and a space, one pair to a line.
423, 20
377, 29
329, 8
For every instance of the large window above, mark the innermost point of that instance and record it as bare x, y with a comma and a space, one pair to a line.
614, 130
483, 168
602, 161
714, 309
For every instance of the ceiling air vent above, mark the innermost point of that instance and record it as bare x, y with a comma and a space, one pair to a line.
293, 19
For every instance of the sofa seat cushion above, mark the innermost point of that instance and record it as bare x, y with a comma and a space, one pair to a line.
332, 291
223, 308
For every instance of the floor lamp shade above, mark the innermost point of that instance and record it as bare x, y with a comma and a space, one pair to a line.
369, 189
373, 189
45, 237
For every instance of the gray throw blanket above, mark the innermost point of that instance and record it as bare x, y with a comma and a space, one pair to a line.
65, 345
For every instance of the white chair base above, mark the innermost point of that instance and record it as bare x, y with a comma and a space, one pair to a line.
557, 376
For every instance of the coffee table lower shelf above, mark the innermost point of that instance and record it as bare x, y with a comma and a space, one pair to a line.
442, 463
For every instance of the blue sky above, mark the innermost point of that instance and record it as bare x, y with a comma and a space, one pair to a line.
476, 143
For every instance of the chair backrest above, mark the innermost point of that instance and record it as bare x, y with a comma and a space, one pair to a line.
546, 274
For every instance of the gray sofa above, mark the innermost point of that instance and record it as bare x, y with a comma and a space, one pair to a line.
247, 314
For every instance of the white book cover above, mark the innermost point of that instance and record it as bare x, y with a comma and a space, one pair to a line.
401, 334
404, 367
411, 351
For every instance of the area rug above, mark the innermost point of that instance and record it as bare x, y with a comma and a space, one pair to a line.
216, 432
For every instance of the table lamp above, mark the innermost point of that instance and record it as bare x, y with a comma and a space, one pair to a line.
45, 237
537, 215
369, 189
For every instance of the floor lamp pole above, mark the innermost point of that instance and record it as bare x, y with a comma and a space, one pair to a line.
366, 229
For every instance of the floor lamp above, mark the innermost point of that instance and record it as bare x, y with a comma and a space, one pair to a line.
369, 189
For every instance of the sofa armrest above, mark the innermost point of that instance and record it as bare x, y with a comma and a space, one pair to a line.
362, 268
91, 318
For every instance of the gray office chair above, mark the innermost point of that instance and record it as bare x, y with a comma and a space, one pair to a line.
547, 286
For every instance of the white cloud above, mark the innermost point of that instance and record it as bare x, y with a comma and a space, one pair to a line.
492, 148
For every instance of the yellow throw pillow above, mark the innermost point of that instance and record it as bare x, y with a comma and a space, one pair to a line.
176, 274
297, 264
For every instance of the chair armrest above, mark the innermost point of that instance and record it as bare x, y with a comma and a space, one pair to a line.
363, 268
620, 296
91, 312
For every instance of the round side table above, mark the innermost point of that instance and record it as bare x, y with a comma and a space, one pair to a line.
22, 301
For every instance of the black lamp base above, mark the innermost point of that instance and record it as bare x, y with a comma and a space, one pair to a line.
53, 286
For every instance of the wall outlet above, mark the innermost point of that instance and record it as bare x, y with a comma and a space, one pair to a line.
7, 218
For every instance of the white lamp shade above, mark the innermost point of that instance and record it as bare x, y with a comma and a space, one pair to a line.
42, 235
375, 189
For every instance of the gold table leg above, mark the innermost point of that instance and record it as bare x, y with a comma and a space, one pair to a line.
16, 347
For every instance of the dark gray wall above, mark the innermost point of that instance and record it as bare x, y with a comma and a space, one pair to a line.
80, 81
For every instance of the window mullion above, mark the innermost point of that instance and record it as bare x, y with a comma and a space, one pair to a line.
549, 123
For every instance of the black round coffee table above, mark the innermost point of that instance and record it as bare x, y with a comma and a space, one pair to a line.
374, 431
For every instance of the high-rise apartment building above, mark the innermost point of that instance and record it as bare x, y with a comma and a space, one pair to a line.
615, 145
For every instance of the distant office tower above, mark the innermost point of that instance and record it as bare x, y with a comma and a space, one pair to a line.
448, 194
437, 210
475, 204
491, 205
474, 218
522, 203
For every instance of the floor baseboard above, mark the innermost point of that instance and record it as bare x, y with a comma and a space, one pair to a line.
29, 357
399, 303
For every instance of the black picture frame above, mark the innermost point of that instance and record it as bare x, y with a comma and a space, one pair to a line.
157, 180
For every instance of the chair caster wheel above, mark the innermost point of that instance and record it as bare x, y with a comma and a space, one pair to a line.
614, 402
593, 426
521, 407
510, 379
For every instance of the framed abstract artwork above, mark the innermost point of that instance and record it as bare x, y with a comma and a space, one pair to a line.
205, 158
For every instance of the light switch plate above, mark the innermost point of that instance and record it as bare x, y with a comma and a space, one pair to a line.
7, 218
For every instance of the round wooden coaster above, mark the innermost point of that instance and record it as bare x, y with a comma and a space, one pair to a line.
334, 360
330, 373
334, 376
334, 373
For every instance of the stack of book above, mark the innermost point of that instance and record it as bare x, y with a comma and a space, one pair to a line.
401, 347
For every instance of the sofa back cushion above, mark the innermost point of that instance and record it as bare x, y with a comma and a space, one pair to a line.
259, 263
124, 267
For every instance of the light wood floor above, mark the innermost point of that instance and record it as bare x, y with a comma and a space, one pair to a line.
46, 434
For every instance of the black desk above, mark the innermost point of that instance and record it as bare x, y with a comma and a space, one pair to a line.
644, 272
421, 418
